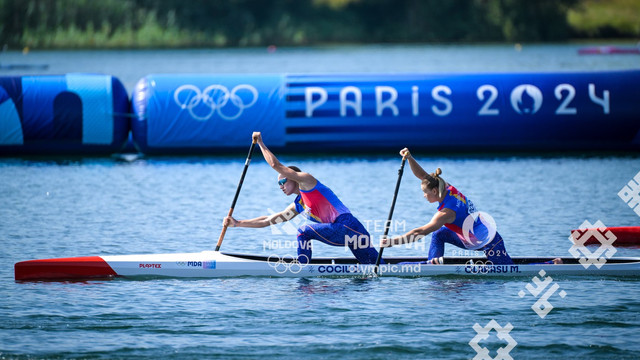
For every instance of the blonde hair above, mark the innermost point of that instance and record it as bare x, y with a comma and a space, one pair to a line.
433, 181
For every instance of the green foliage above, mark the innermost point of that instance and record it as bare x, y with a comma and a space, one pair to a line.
613, 18
216, 23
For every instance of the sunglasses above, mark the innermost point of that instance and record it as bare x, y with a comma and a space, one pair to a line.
282, 181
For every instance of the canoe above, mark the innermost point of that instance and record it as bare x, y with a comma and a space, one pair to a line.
626, 236
605, 50
213, 264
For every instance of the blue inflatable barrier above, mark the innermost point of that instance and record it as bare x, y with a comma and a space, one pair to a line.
78, 114
199, 114
450, 112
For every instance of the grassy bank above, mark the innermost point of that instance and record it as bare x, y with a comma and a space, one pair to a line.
108, 24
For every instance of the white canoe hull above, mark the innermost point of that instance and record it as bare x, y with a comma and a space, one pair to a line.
212, 264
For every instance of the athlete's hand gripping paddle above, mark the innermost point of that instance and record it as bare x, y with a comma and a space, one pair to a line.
393, 205
235, 198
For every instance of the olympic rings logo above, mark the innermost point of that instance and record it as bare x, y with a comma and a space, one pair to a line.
214, 97
478, 267
286, 263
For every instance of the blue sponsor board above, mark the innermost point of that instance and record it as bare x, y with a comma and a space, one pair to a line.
535, 111
501, 111
206, 112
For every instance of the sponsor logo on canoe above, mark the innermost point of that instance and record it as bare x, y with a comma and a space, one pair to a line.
339, 269
150, 266
488, 267
542, 306
483, 333
198, 264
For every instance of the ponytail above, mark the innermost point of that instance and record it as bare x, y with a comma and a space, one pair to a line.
433, 181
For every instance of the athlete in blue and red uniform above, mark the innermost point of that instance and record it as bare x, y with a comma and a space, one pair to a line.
333, 223
457, 222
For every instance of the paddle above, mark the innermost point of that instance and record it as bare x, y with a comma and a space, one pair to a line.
393, 205
235, 198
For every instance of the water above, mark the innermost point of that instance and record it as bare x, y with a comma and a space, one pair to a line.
131, 65
105, 206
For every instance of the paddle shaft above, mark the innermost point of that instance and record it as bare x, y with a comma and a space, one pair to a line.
235, 198
393, 205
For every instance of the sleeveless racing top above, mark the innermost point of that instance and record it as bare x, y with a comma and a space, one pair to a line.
320, 204
478, 233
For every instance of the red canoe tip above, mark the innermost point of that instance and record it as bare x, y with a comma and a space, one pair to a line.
625, 235
63, 269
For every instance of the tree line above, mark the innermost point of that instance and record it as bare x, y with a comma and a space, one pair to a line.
232, 23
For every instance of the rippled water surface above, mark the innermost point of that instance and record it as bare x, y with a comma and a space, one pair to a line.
103, 206
107, 206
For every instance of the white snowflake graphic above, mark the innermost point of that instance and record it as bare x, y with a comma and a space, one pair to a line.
483, 334
585, 232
